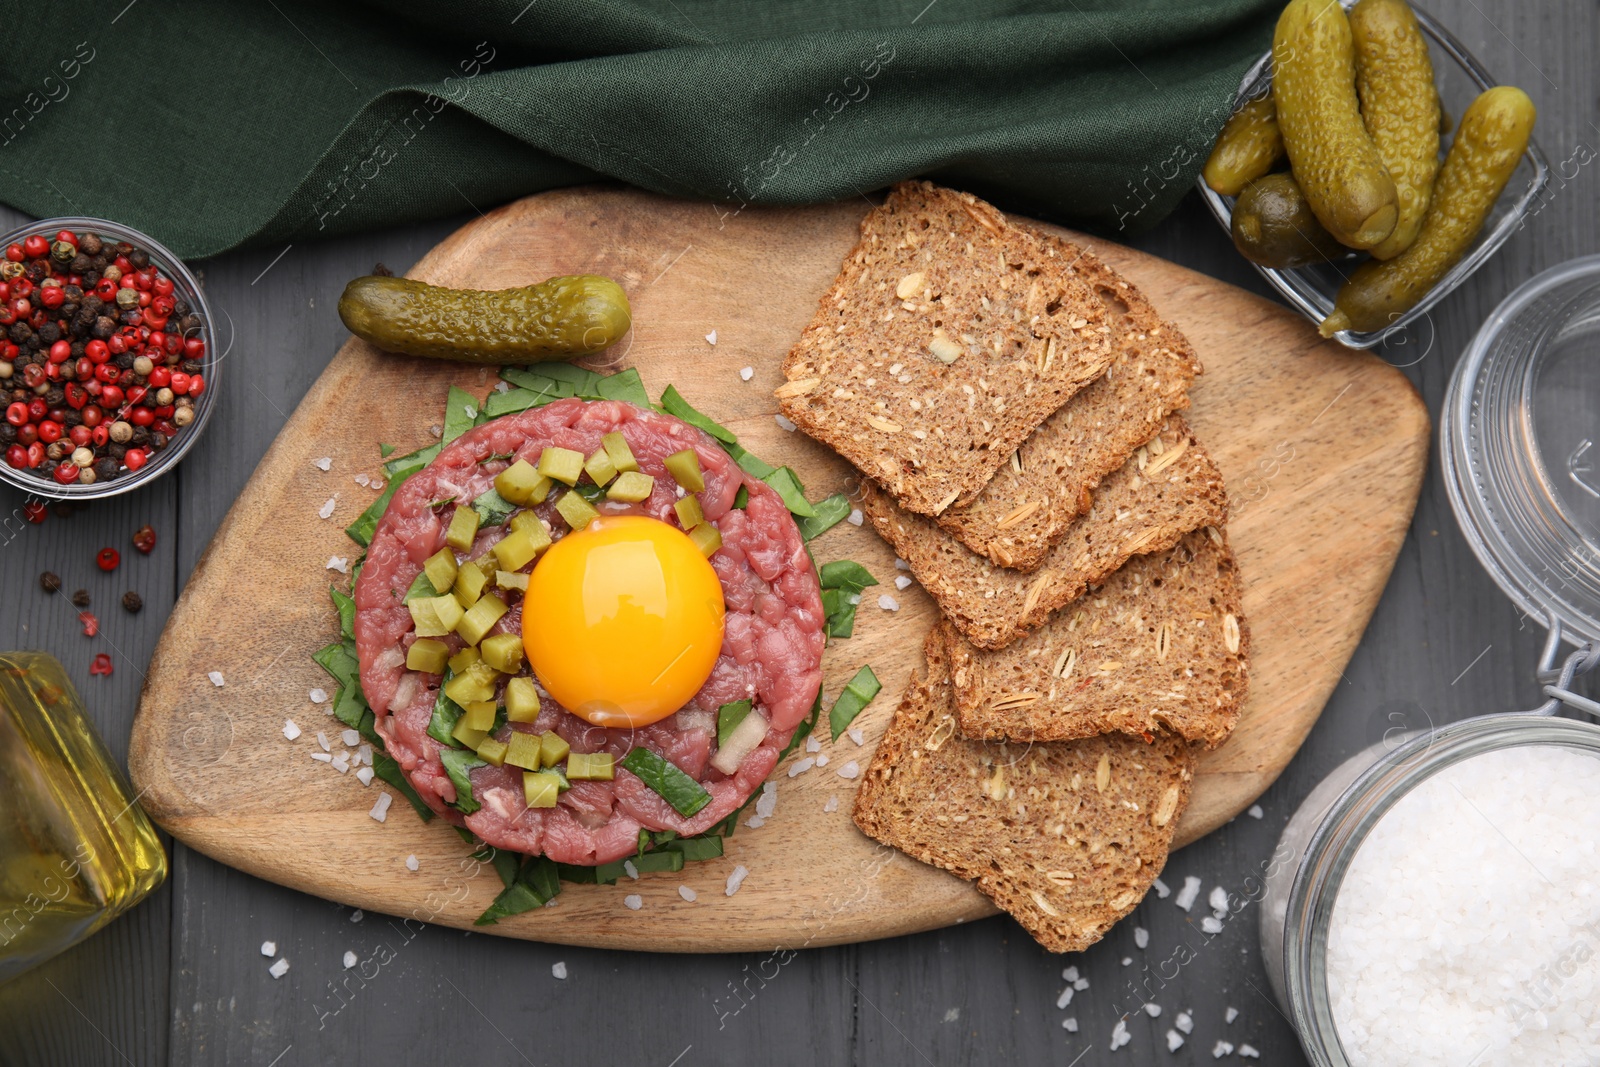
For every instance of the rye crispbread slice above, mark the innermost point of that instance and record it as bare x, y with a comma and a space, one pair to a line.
1066, 837
1049, 480
1162, 644
931, 391
1157, 496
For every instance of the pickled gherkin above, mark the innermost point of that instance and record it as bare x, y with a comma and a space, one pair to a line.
559, 318
1247, 147
1275, 227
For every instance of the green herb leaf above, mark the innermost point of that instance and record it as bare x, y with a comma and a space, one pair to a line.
349, 706
856, 696
362, 529
673, 403
339, 660
845, 574
537, 884
684, 794
347, 611
457, 763
741, 499
512, 401
729, 716
826, 514
460, 411
385, 451
749, 462
369, 730
387, 768
411, 461
492, 508
699, 848
839, 611
802, 731
446, 713
624, 385
788, 486
420, 586
842, 582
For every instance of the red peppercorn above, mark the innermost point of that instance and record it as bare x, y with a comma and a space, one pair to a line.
22, 287
80, 435
105, 289
61, 351
67, 472
34, 511
36, 246
117, 344
15, 253
37, 408
21, 308
136, 393
67, 236
91, 413
144, 538
141, 416
163, 286
144, 301
194, 347
97, 351
91, 625
52, 296
164, 426
52, 372
36, 456
101, 665
17, 456
180, 382
154, 321
163, 411
108, 372
163, 305
157, 339
84, 369
17, 413
122, 264
28, 435
134, 458
160, 378
49, 431
107, 559
100, 435
110, 396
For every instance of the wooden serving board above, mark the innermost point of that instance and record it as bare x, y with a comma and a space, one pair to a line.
1323, 451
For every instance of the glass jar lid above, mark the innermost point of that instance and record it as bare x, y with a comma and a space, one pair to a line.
1520, 442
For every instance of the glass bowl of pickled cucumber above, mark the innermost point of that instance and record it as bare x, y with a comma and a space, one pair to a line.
1312, 289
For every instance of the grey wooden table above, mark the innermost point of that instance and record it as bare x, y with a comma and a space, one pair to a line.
181, 980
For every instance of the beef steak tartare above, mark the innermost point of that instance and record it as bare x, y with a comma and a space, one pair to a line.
770, 654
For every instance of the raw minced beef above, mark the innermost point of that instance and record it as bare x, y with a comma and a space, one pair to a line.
771, 649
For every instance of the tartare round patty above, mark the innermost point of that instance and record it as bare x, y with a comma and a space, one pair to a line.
771, 649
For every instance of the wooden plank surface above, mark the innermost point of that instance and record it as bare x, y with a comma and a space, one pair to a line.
1324, 450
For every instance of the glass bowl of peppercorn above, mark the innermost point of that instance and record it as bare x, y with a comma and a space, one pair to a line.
106, 358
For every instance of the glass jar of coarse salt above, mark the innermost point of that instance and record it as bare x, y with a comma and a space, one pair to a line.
1439, 896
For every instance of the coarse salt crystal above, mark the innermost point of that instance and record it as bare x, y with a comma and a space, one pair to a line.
1220, 1049
855, 518
1152, 1009
784, 423
558, 969
319, 695
1141, 936
1120, 1035
688, 894
900, 564
340, 763
1189, 893
1081, 984
502, 386
357, 915
216, 678
322, 739
411, 863
855, 734
1162, 892
364, 775
1127, 961
736, 879
1070, 974
1249, 1052
364, 754
1174, 1041
470, 411
1070, 1024
850, 770
822, 761
888, 603
711, 338
902, 583
831, 805
746, 373
812, 744
322, 757
269, 948
630, 870
436, 430
279, 968
362, 479
801, 766
1230, 1015
325, 463
1184, 1022
633, 902
1255, 811
326, 509
1211, 925
755, 822
854, 599
1218, 900
350, 960
380, 807
767, 802
351, 738
338, 563
1064, 998
290, 729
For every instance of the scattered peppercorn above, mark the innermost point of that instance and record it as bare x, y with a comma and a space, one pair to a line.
107, 559
50, 582
144, 539
101, 665
35, 511
132, 602
91, 625
80, 599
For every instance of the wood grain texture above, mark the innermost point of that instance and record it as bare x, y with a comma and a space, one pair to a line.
1324, 450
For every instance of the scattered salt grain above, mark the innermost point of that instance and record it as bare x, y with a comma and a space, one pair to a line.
736, 879
1081, 984
216, 678
711, 338
559, 970
633, 902
364, 775
351, 738
319, 695
340, 763
1120, 1035
502, 387
1070, 1024
269, 948
1065, 998
850, 770
784, 423
1070, 974
1184, 1022
801, 766
1220, 1049
357, 915
888, 603
746, 373
326, 510
290, 730
952, 1015
1189, 893
322, 757
1211, 925
325, 463
363, 479
1249, 1052
855, 518
1127, 961
767, 802
812, 744
1218, 899
831, 805
630, 870
322, 739
436, 430
899, 564
364, 754
822, 761
1152, 1009
855, 734
380, 807
1232, 1014
1141, 936
755, 822
1255, 811
279, 968
1174, 1041
688, 894
338, 563
1162, 892
902, 583
350, 960
470, 411
411, 863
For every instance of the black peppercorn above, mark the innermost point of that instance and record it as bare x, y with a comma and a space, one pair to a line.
49, 333
55, 396
103, 328
139, 258
193, 366
132, 601
105, 468
73, 417
132, 316
125, 361
90, 243
158, 441
20, 332
141, 437
116, 451
90, 277
80, 599
8, 433
35, 271
49, 582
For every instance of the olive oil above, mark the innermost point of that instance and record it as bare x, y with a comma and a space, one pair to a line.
75, 849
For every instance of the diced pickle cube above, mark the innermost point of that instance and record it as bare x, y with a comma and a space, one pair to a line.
522, 700
553, 748
589, 767
475, 683
511, 580
616, 447
689, 513
541, 789
463, 528
470, 581
685, 470
518, 482
578, 512
427, 655
527, 520
519, 548
492, 752
707, 538
435, 616
484, 614
599, 467
561, 465
464, 659
503, 652
631, 487
441, 570
468, 737
523, 750
479, 715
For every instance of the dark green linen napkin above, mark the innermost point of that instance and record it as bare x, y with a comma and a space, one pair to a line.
215, 125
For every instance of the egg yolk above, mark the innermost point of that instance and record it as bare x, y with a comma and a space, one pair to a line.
623, 621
